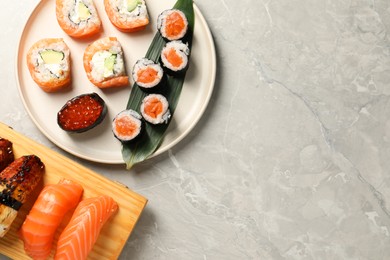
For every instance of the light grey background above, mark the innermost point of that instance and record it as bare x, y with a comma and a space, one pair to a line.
291, 158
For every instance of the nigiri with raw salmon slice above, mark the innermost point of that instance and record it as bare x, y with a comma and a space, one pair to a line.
83, 229
78, 18
104, 63
40, 225
127, 15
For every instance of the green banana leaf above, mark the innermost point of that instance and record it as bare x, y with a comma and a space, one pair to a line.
147, 144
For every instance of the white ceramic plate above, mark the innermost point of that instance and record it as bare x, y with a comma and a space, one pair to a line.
99, 143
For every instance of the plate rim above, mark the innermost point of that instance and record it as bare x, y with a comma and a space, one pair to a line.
212, 61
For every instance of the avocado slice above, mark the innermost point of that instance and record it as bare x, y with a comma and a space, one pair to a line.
109, 63
52, 56
132, 4
83, 11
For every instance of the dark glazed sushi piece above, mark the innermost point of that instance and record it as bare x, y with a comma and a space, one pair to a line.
82, 113
172, 24
175, 56
127, 125
6, 153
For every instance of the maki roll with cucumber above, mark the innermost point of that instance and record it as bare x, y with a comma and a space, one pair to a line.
175, 56
147, 74
78, 18
127, 125
127, 15
172, 24
155, 109
104, 63
48, 61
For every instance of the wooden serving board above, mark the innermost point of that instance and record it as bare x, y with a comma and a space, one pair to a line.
115, 232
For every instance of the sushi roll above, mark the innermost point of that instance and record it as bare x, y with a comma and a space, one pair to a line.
127, 125
127, 15
82, 113
155, 109
172, 24
78, 18
48, 61
147, 74
174, 56
104, 63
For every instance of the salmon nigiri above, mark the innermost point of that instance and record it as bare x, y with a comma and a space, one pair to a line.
54, 201
104, 63
82, 231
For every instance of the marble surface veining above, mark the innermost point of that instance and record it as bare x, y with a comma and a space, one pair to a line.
291, 158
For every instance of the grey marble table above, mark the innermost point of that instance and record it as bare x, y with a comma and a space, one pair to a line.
291, 158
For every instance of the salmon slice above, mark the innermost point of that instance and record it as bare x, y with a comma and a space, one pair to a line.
40, 225
93, 64
82, 231
78, 19
125, 20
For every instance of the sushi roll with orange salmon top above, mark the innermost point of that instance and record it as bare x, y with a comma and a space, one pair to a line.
175, 56
78, 18
172, 24
127, 15
155, 109
127, 126
104, 63
147, 74
48, 61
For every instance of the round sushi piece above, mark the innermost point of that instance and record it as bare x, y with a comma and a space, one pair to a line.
104, 63
127, 125
172, 24
82, 113
147, 74
155, 109
174, 56
127, 15
48, 61
78, 18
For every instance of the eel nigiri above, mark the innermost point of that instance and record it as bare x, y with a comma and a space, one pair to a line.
17, 181
48, 61
39, 227
104, 63
78, 18
6, 153
82, 231
127, 15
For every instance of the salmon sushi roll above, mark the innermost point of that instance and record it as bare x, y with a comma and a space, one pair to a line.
104, 63
78, 18
127, 125
172, 24
175, 56
48, 61
147, 74
127, 15
154, 109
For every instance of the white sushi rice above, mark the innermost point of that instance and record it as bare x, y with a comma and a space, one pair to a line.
181, 49
162, 23
99, 72
47, 72
70, 11
163, 117
128, 115
143, 64
121, 6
